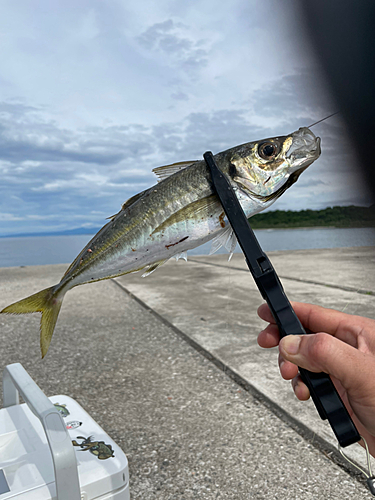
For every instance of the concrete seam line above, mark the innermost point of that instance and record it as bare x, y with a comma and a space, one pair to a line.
300, 280
330, 451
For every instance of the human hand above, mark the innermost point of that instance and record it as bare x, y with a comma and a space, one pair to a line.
342, 346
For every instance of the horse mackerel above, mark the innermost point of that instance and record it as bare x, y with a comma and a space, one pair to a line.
179, 213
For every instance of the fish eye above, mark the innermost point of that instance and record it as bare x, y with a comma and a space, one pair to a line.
267, 150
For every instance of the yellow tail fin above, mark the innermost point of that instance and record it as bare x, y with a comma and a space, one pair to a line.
48, 304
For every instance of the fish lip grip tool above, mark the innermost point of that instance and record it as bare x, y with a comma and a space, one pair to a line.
322, 390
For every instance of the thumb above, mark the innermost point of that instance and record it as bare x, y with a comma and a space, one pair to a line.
320, 352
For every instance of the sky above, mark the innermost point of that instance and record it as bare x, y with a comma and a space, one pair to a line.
95, 94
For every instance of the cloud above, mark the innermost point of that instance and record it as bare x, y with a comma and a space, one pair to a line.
25, 135
9, 217
173, 41
180, 96
297, 93
79, 177
49, 172
310, 183
71, 177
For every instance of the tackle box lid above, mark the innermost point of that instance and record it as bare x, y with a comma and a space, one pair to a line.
26, 462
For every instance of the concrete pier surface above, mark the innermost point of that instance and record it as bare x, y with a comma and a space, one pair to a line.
169, 366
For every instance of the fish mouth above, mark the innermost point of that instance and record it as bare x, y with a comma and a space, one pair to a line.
305, 149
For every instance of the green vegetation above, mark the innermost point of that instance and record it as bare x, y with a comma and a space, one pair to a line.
334, 216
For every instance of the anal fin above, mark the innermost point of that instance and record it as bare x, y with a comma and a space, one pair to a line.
151, 268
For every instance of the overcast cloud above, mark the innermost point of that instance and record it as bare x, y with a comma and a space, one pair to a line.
93, 95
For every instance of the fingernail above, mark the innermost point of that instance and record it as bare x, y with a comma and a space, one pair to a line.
290, 344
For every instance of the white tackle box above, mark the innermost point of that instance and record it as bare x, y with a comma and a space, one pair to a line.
51, 449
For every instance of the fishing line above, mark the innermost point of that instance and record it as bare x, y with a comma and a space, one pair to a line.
322, 120
227, 305
369, 476
349, 302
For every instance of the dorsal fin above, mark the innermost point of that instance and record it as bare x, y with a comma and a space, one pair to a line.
167, 170
162, 173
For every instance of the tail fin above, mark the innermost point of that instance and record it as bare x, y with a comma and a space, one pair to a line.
46, 302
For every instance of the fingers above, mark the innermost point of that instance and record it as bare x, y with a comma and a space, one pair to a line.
346, 352
323, 353
265, 313
318, 319
314, 318
300, 389
269, 337
288, 370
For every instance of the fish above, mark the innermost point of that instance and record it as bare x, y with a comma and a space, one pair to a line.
62, 409
98, 448
179, 213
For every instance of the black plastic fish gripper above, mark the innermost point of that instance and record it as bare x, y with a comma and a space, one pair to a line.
322, 390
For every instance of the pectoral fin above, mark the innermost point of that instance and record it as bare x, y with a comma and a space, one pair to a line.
202, 208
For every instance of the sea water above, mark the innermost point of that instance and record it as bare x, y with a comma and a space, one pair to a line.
40, 250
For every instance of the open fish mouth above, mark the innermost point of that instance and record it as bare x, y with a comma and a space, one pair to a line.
305, 147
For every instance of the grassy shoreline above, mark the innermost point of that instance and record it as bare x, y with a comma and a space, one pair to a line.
332, 217
294, 227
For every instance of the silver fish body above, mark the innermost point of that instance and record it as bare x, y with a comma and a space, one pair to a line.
178, 214
167, 220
